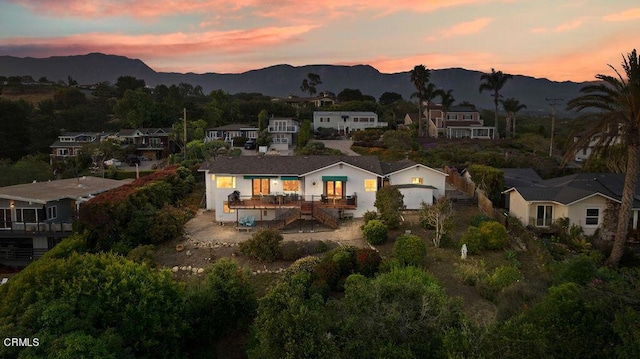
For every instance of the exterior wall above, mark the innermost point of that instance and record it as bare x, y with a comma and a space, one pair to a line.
518, 207
430, 177
335, 120
413, 197
578, 212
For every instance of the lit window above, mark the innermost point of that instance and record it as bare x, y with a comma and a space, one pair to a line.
213, 177
370, 185
226, 209
290, 185
226, 182
416, 180
593, 216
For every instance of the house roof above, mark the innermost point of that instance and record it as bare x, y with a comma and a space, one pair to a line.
290, 165
74, 188
517, 177
144, 131
393, 167
572, 188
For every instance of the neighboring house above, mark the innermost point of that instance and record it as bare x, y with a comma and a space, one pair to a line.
277, 190
152, 143
460, 122
228, 132
418, 183
284, 132
346, 122
585, 152
324, 99
34, 217
582, 198
69, 143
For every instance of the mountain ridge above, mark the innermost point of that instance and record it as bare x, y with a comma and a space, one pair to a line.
282, 80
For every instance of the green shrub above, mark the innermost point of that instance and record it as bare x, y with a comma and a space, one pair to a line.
494, 235
471, 272
410, 250
473, 240
144, 254
580, 269
321, 247
263, 245
328, 272
367, 261
369, 215
478, 219
306, 264
375, 232
388, 264
291, 251
344, 258
500, 278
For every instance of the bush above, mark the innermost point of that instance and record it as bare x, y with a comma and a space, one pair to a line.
478, 219
473, 240
306, 264
369, 215
494, 235
344, 258
581, 269
410, 250
367, 261
471, 272
328, 272
143, 254
500, 278
291, 251
375, 232
264, 245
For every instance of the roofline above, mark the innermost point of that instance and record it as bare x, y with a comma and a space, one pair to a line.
413, 166
337, 163
24, 199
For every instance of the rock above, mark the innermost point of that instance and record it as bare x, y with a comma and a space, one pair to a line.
183, 268
188, 267
200, 270
188, 253
174, 269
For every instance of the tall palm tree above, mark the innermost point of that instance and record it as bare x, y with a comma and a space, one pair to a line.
420, 78
618, 100
446, 100
430, 94
494, 82
511, 107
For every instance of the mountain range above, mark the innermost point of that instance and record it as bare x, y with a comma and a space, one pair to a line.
283, 80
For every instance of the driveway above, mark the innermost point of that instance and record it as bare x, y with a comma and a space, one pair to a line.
342, 145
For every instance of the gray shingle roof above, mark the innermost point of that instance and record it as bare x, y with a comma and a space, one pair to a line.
43, 192
286, 165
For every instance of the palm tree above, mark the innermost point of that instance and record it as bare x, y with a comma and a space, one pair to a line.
446, 100
511, 107
494, 82
618, 100
430, 93
420, 77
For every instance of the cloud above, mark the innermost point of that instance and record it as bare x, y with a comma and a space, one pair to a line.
627, 15
464, 28
559, 28
174, 44
467, 59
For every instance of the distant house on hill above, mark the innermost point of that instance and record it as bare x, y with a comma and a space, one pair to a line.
70, 143
324, 99
228, 132
346, 122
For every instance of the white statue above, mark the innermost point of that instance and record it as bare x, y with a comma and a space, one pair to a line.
463, 252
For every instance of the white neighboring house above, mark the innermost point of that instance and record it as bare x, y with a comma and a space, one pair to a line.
347, 121
585, 152
284, 132
418, 183
228, 132
280, 190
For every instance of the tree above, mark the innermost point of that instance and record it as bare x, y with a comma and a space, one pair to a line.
618, 100
388, 98
488, 179
494, 82
124, 83
446, 100
410, 250
305, 133
439, 216
389, 202
263, 120
309, 84
92, 305
511, 107
420, 77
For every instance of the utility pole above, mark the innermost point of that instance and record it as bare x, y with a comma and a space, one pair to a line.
553, 102
184, 134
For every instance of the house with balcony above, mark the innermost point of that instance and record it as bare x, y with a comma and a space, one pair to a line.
276, 191
461, 121
583, 198
36, 216
70, 143
283, 131
152, 143
346, 122
228, 132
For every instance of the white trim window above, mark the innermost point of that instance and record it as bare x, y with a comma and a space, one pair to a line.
544, 216
52, 212
592, 217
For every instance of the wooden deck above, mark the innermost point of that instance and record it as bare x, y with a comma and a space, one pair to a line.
257, 203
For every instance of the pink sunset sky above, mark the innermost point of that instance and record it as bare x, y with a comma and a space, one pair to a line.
559, 40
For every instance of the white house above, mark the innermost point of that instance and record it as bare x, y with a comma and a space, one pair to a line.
279, 190
283, 132
346, 121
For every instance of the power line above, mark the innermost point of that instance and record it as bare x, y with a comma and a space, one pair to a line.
553, 102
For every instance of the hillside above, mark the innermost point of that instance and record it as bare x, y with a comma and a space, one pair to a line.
282, 80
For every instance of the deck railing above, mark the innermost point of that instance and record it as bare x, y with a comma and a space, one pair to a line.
45, 228
291, 201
